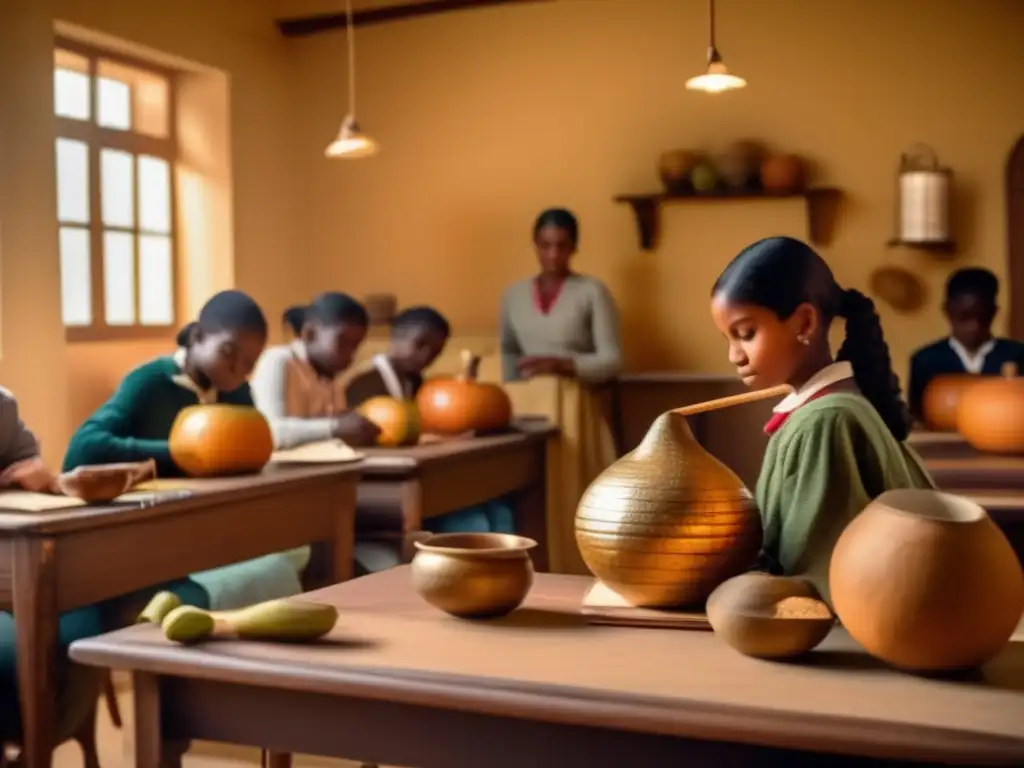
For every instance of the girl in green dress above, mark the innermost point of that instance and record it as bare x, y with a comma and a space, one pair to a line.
837, 441
215, 356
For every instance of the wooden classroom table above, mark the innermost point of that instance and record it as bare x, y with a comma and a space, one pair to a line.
55, 561
437, 478
400, 683
940, 445
980, 472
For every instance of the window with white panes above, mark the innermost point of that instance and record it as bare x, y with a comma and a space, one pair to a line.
115, 194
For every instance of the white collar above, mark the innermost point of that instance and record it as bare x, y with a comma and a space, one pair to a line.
826, 377
391, 380
206, 396
973, 361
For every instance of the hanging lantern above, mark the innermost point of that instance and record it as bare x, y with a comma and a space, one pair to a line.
924, 199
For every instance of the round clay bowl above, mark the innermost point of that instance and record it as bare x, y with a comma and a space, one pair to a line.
473, 575
99, 483
667, 523
926, 581
941, 401
744, 612
990, 414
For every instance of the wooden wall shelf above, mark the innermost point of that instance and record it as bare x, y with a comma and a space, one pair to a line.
938, 248
647, 209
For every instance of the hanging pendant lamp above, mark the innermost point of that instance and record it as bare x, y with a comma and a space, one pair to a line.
351, 143
717, 78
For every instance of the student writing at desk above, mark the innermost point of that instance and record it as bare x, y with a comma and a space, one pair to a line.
215, 356
418, 336
970, 307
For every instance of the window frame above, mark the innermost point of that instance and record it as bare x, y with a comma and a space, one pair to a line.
97, 138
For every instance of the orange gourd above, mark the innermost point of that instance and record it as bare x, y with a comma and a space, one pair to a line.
398, 420
209, 440
990, 415
942, 398
452, 406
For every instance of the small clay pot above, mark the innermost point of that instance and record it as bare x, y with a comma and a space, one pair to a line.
739, 164
783, 174
674, 168
941, 400
769, 617
473, 575
990, 414
100, 483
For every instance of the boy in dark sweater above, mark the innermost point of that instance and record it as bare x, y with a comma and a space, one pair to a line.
970, 307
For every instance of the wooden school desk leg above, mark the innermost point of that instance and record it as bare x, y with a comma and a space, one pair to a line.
531, 513
270, 759
343, 547
36, 626
150, 749
411, 496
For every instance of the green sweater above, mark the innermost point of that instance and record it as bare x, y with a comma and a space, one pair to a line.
135, 423
824, 465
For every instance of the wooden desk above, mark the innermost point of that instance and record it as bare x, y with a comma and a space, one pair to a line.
981, 472
400, 683
940, 445
435, 479
55, 561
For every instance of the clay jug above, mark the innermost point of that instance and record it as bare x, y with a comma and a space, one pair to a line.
674, 168
782, 174
990, 415
220, 439
942, 400
667, 523
452, 406
926, 581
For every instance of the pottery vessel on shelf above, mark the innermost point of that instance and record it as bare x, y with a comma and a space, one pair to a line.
98, 483
674, 168
703, 177
926, 581
782, 174
990, 415
208, 440
667, 523
740, 163
399, 420
473, 575
941, 401
452, 406
769, 617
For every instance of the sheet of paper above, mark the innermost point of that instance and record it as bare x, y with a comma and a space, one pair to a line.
324, 452
27, 501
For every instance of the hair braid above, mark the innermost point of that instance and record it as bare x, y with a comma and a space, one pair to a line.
866, 350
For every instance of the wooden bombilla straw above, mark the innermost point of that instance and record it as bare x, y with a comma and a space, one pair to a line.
470, 365
728, 402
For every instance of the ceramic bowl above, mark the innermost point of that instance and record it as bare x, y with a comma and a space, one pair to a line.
99, 483
473, 575
769, 617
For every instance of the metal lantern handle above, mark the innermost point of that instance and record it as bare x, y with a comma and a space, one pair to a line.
920, 157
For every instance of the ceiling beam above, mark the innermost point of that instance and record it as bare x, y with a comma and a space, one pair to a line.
312, 25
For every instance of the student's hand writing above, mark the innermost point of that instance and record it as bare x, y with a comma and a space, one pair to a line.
531, 366
30, 474
356, 430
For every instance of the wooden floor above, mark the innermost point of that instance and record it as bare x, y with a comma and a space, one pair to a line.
115, 750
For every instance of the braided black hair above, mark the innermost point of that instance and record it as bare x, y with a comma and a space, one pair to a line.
421, 317
329, 309
225, 311
780, 274
559, 218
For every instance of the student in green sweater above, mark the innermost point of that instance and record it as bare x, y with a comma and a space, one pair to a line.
837, 441
215, 356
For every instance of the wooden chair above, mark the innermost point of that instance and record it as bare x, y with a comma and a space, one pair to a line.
10, 756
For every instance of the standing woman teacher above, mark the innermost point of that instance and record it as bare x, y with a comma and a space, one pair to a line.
564, 324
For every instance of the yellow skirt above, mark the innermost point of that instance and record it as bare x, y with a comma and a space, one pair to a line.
583, 449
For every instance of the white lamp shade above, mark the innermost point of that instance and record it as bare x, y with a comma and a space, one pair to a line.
351, 143
715, 80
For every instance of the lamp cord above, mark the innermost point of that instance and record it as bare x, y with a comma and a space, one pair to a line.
350, 32
711, 15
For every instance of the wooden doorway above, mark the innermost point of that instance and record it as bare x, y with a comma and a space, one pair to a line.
1015, 237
